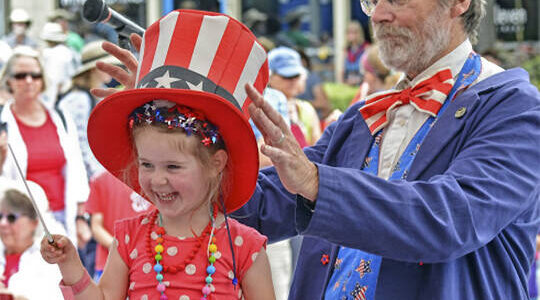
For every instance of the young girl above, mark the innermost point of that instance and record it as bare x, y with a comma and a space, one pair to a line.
190, 152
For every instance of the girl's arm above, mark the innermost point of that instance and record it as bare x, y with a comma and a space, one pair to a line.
257, 283
64, 253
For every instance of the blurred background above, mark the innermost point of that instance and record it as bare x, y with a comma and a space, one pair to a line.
509, 34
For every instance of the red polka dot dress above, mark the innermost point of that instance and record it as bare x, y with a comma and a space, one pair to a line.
131, 236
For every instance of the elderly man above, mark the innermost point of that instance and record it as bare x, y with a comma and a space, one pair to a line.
429, 191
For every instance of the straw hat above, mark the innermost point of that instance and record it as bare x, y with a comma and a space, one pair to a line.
91, 54
19, 15
52, 32
195, 59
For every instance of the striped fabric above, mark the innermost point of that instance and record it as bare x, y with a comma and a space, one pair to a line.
222, 52
427, 96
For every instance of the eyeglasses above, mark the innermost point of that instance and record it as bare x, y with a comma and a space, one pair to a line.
368, 6
11, 217
23, 75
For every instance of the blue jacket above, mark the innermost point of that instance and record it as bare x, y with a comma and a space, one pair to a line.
462, 226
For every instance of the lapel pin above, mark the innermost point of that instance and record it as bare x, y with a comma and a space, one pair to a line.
460, 112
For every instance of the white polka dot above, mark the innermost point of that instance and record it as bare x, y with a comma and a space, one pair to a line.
145, 221
181, 237
144, 297
154, 235
191, 269
239, 293
134, 254
238, 241
184, 297
132, 286
167, 283
217, 255
146, 268
254, 256
172, 251
231, 274
126, 238
212, 288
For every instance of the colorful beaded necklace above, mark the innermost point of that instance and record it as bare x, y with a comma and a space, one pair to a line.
156, 254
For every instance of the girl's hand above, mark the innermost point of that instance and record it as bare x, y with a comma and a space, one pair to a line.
60, 252
125, 77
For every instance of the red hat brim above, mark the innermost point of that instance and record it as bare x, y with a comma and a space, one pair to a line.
110, 139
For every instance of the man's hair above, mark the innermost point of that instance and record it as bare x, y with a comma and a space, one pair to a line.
471, 18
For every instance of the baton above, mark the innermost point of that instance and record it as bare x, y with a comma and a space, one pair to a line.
34, 204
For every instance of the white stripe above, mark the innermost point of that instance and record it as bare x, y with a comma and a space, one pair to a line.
208, 40
166, 30
141, 55
433, 95
253, 65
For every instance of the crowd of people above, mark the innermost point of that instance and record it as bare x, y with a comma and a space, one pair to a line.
207, 179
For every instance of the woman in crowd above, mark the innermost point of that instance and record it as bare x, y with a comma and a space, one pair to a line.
44, 141
21, 263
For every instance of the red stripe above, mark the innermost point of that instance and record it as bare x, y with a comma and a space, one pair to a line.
150, 44
184, 39
429, 105
224, 52
237, 61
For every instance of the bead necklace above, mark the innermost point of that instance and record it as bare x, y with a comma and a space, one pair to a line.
160, 269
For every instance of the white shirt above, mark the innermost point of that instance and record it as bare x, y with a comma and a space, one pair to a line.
405, 120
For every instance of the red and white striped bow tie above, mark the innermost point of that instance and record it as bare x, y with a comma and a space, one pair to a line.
427, 96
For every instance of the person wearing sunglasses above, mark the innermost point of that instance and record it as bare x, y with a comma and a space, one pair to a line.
44, 141
24, 274
427, 191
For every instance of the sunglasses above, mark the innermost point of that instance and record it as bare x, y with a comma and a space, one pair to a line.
11, 217
23, 75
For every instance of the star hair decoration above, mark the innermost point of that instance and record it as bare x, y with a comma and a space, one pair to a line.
175, 117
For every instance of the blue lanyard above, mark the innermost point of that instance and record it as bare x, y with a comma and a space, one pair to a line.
355, 272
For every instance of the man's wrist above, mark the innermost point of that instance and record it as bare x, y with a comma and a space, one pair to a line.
312, 184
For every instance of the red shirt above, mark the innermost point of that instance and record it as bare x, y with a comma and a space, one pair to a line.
12, 266
46, 160
132, 236
115, 201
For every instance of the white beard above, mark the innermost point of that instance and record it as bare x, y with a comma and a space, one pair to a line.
404, 50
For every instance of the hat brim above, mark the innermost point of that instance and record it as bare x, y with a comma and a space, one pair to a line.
291, 71
110, 140
92, 64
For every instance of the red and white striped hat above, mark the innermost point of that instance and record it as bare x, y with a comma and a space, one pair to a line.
197, 59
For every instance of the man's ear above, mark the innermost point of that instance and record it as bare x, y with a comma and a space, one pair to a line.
219, 160
459, 7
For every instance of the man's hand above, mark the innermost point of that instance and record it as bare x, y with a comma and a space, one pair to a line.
125, 77
296, 172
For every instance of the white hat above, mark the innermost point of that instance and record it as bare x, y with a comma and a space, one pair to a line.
53, 32
19, 15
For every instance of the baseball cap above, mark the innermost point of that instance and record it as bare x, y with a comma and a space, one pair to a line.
285, 62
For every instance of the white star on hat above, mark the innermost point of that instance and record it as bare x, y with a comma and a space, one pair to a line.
198, 87
165, 80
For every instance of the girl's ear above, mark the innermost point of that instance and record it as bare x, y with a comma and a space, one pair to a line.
219, 160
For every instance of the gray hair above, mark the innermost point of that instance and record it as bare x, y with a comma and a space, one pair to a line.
471, 18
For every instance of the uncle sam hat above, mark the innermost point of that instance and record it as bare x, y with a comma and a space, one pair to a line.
197, 59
